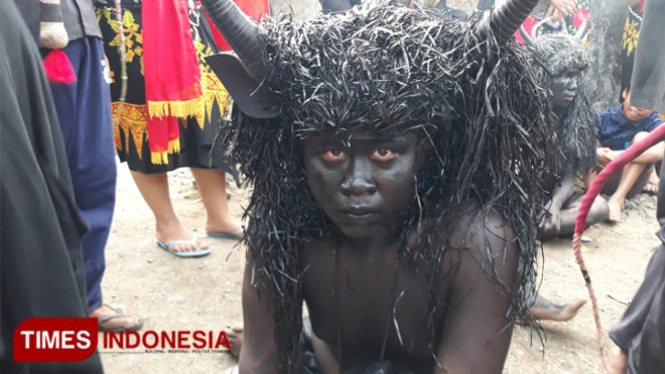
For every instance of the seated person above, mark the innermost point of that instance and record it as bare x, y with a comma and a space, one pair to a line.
565, 58
396, 192
618, 128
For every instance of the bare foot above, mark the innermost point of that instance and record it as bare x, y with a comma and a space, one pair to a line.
615, 210
651, 188
619, 365
123, 319
546, 310
171, 232
235, 339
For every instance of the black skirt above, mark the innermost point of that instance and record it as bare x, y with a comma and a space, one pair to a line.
197, 134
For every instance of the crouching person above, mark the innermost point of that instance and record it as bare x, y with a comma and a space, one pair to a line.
396, 191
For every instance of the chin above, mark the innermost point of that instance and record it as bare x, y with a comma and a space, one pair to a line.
360, 232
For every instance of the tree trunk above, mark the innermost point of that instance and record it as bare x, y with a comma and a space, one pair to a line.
603, 78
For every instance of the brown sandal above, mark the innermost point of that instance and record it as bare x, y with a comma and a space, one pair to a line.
119, 313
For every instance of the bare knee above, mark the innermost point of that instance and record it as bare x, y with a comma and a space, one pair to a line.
639, 136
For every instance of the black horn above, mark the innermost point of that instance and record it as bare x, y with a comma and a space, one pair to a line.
528, 40
506, 18
245, 73
240, 32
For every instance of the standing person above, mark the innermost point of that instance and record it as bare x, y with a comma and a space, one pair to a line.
631, 34
174, 108
84, 114
41, 267
641, 332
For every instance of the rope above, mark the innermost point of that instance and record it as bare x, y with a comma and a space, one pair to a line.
122, 51
608, 172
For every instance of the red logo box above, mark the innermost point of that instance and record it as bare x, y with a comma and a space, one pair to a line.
55, 339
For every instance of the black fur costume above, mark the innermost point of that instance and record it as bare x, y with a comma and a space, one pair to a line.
387, 71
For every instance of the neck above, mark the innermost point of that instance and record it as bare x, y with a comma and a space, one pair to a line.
381, 242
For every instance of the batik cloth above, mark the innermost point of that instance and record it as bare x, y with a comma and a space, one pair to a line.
197, 132
631, 34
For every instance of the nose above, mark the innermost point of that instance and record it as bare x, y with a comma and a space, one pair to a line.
572, 85
359, 181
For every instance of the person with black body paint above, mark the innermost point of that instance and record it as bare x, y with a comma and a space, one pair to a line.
565, 58
396, 188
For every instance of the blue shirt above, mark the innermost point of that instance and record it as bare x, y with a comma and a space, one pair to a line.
616, 132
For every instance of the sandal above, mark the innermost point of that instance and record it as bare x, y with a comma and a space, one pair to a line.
119, 313
235, 235
197, 253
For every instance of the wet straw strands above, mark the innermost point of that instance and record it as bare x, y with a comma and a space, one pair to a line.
382, 72
576, 128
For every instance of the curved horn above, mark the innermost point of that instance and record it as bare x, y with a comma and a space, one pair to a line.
240, 32
505, 19
534, 29
527, 38
579, 35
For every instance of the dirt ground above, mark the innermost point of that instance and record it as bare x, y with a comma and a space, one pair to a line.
204, 294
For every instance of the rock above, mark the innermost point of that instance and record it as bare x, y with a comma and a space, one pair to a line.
629, 204
150, 261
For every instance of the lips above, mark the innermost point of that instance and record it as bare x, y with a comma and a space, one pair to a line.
359, 215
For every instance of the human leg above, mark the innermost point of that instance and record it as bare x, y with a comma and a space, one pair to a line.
599, 212
155, 191
627, 188
212, 185
546, 310
84, 111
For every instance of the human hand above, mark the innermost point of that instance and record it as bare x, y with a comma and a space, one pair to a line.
560, 8
604, 156
552, 223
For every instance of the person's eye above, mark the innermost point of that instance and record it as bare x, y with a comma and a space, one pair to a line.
383, 154
334, 155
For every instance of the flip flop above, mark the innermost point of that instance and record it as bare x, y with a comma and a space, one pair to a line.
198, 253
119, 313
651, 189
236, 235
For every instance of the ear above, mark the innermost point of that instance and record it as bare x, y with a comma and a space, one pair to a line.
426, 149
253, 100
625, 93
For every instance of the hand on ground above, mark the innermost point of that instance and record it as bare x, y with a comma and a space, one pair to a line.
552, 223
235, 339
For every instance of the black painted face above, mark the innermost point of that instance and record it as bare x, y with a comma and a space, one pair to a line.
364, 188
564, 88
